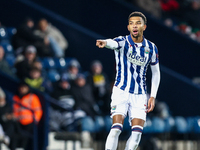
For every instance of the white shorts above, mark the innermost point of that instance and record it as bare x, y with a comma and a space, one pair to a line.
123, 102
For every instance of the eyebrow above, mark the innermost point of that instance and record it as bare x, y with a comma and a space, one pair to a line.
132, 21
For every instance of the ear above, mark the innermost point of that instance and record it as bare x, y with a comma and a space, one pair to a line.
145, 26
128, 27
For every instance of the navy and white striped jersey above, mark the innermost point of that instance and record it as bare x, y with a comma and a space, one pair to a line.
132, 60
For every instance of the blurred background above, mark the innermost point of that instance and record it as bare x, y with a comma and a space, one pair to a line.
56, 84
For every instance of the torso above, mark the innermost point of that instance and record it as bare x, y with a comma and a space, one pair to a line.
132, 60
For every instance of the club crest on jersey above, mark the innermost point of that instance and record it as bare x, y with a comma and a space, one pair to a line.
147, 50
136, 59
114, 107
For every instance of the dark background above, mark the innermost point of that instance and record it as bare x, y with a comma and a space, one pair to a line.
82, 22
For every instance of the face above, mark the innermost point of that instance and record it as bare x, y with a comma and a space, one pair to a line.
64, 84
30, 24
43, 25
30, 56
80, 82
2, 101
37, 65
136, 26
35, 74
74, 70
23, 89
1, 53
97, 69
195, 5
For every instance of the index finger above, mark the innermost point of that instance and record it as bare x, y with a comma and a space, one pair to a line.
97, 42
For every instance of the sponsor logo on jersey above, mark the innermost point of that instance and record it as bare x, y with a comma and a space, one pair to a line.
136, 59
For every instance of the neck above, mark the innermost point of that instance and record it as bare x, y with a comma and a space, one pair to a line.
30, 61
137, 39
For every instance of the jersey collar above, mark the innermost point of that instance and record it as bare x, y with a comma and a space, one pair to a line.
132, 43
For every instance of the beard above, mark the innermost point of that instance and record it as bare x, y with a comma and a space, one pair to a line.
135, 36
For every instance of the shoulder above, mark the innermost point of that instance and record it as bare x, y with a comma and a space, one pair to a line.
52, 28
120, 38
15, 97
151, 44
34, 96
37, 31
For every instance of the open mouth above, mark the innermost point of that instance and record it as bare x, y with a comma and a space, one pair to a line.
135, 31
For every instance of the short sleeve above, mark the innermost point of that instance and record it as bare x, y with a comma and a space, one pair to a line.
120, 41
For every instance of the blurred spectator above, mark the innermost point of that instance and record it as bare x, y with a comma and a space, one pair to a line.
169, 5
3, 63
25, 36
6, 33
171, 23
62, 92
72, 72
66, 119
83, 96
37, 64
23, 67
184, 6
57, 40
193, 33
3, 34
188, 16
27, 110
196, 31
35, 80
161, 110
196, 80
192, 15
185, 28
6, 119
151, 6
100, 86
181, 15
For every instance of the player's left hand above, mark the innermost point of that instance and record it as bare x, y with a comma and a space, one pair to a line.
151, 104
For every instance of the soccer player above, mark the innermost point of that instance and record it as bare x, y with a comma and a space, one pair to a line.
133, 54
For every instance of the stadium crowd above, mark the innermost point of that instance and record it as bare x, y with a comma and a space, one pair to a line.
25, 53
180, 15
35, 54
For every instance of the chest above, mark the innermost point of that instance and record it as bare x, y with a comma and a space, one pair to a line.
138, 55
26, 101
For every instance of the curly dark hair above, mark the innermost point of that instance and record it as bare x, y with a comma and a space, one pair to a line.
138, 14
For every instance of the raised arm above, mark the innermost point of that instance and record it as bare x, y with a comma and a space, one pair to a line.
108, 43
155, 81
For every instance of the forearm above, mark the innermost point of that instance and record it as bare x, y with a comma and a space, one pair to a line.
111, 44
155, 81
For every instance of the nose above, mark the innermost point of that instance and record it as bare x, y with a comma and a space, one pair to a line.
135, 26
